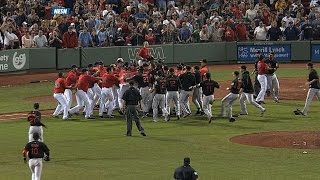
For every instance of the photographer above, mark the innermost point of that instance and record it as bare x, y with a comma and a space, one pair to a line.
54, 40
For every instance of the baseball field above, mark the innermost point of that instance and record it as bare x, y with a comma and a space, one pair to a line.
98, 150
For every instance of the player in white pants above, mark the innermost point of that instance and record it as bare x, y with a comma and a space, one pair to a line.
228, 100
262, 69
314, 89
188, 82
273, 82
59, 88
173, 86
36, 126
159, 99
208, 95
247, 92
35, 151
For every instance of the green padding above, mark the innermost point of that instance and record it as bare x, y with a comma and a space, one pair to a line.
300, 50
194, 52
231, 51
14, 60
163, 52
107, 55
42, 58
67, 57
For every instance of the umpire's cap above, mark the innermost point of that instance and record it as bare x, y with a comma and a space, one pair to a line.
36, 105
36, 136
186, 161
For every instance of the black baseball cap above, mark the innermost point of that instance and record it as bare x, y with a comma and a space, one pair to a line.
310, 64
36, 136
74, 66
186, 161
36, 105
204, 61
243, 67
84, 70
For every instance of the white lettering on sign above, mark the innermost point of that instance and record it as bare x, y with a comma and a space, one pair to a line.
157, 53
4, 67
19, 60
60, 11
4, 58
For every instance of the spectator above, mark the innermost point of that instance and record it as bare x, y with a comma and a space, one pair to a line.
307, 31
150, 37
27, 40
251, 13
11, 40
241, 31
260, 5
33, 17
291, 33
85, 39
184, 33
251, 30
229, 34
204, 34
119, 38
260, 32
102, 36
274, 32
70, 39
287, 19
216, 32
54, 40
40, 40
280, 4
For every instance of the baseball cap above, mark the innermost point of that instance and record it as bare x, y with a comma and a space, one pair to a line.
36, 136
120, 60
84, 70
243, 67
74, 66
204, 61
186, 161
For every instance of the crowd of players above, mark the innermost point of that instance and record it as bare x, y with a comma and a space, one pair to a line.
163, 90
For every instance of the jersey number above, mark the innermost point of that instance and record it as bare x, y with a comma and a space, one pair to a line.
34, 151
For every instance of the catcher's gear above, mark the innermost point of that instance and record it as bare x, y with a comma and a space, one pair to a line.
46, 158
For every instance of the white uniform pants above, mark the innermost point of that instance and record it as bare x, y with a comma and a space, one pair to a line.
249, 97
97, 93
263, 83
106, 101
184, 102
226, 106
62, 105
115, 97
197, 97
146, 98
159, 100
68, 95
83, 97
311, 93
207, 105
35, 166
173, 97
123, 88
273, 86
35, 129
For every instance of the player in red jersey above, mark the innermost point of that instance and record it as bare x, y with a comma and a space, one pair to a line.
59, 88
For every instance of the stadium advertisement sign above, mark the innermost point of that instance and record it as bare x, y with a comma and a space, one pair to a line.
13, 61
248, 53
315, 52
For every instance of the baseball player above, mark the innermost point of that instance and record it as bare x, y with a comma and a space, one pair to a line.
314, 89
59, 89
92, 72
179, 70
173, 86
71, 80
35, 151
188, 82
116, 71
124, 75
99, 72
159, 99
82, 88
273, 82
208, 91
246, 92
204, 69
197, 95
228, 100
131, 99
255, 72
142, 79
34, 118
108, 81
262, 69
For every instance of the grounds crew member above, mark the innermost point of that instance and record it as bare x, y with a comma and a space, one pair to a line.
185, 172
36, 150
130, 100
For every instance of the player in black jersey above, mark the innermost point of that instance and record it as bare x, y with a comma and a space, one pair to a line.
272, 79
159, 99
228, 100
34, 118
197, 95
35, 151
173, 87
208, 95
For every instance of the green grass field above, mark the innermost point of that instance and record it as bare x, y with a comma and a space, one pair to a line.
96, 149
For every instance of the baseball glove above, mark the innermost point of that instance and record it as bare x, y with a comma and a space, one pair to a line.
46, 158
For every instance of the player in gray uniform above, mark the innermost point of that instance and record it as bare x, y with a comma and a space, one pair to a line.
197, 95
173, 86
188, 82
159, 99
247, 92
314, 89
272, 80
228, 100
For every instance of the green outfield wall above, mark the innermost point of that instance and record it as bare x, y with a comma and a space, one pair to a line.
215, 53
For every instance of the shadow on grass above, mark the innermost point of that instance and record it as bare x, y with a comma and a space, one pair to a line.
75, 159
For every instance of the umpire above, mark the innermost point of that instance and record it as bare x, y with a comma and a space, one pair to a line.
185, 172
131, 99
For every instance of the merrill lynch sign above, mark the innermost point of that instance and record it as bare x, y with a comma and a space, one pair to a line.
13, 61
156, 52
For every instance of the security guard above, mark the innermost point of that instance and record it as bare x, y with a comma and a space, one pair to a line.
185, 172
131, 99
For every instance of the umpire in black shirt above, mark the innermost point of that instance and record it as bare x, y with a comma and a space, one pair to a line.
131, 99
185, 172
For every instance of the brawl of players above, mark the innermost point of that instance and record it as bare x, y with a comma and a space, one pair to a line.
164, 90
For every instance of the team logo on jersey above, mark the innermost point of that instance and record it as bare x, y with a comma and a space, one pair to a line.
19, 61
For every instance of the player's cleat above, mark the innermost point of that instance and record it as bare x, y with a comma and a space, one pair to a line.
101, 116
143, 134
210, 120
120, 112
277, 101
154, 120
235, 115
128, 135
232, 119
110, 116
243, 114
167, 118
178, 117
262, 112
186, 115
89, 117
298, 112
198, 112
55, 116
268, 92
145, 115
